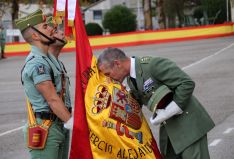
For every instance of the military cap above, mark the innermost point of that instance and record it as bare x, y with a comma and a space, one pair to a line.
50, 21
32, 19
160, 98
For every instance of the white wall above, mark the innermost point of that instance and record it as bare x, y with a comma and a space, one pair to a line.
106, 5
100, 6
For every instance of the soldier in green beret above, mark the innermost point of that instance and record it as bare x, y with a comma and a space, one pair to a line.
43, 85
184, 123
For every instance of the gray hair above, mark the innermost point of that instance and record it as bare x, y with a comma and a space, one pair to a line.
109, 55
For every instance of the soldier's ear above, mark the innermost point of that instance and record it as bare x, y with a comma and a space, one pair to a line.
35, 36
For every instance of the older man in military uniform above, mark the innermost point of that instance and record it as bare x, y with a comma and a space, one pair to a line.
43, 85
184, 123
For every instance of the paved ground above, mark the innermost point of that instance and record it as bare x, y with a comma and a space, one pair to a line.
209, 62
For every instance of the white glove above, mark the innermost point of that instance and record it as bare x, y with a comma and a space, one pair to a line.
69, 124
164, 114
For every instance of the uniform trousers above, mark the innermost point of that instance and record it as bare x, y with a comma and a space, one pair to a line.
197, 150
57, 144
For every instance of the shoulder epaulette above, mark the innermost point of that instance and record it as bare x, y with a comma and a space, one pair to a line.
24, 67
145, 59
32, 57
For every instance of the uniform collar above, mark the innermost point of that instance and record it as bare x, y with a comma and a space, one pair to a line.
53, 58
37, 51
55, 61
133, 68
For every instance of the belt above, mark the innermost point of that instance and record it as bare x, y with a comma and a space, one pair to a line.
46, 116
49, 115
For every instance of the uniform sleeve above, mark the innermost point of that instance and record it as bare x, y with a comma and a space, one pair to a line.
39, 72
176, 79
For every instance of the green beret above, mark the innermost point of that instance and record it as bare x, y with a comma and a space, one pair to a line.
160, 98
32, 19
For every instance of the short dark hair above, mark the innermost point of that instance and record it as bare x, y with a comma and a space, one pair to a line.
27, 35
109, 55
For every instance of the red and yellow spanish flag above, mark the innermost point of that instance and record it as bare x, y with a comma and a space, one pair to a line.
108, 122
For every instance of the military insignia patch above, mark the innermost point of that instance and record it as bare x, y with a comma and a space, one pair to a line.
148, 85
41, 69
125, 109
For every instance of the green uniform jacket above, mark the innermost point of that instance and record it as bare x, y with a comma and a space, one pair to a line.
194, 122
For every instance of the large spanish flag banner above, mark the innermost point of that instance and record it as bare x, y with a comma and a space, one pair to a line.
108, 122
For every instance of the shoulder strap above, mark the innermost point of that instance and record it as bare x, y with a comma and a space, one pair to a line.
63, 67
32, 122
31, 117
52, 72
63, 90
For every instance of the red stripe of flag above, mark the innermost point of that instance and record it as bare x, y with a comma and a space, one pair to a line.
55, 6
80, 146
